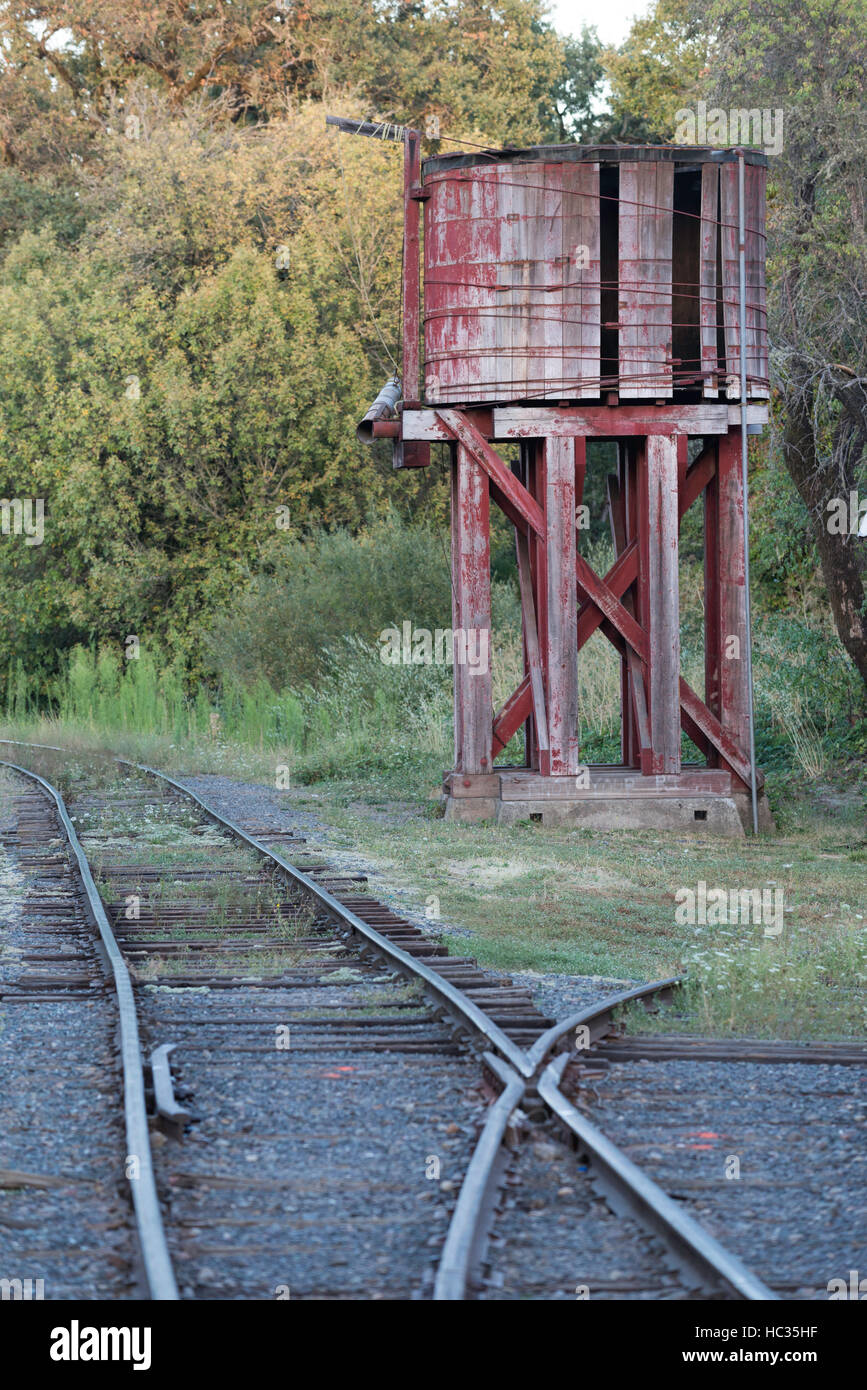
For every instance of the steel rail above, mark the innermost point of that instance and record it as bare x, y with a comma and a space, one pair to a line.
152, 1240
597, 1018
695, 1249
463, 1251
451, 997
464, 1248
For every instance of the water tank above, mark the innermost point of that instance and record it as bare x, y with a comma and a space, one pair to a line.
563, 272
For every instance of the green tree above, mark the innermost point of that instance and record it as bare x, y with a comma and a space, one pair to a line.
812, 62
660, 67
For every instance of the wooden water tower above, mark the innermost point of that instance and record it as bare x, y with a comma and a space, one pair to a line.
576, 293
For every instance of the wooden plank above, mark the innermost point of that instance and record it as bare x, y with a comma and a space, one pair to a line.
461, 246
712, 628
601, 421
728, 189
536, 469
631, 508
756, 334
476, 784
710, 726
457, 676
580, 306
494, 199
622, 574
521, 469
459, 428
708, 279
610, 607
518, 784
757, 319
546, 362
682, 444
756, 414
514, 301
561, 629
734, 696
615, 484
698, 475
632, 692
644, 278
539, 422
531, 640
659, 560
510, 716
472, 580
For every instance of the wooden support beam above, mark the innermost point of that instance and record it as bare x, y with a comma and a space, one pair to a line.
635, 737
682, 464
472, 609
535, 478
734, 694
488, 459
698, 475
602, 599
604, 422
510, 511
531, 640
590, 421
510, 716
457, 683
693, 709
659, 566
713, 636
629, 493
559, 636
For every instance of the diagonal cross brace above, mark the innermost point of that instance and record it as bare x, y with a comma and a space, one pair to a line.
510, 487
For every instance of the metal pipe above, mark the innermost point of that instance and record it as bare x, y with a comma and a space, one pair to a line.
742, 329
383, 408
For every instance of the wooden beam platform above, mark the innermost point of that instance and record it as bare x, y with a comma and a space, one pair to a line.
587, 421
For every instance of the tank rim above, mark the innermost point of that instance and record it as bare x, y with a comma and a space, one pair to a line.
604, 154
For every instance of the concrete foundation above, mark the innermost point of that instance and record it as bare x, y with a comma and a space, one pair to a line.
697, 799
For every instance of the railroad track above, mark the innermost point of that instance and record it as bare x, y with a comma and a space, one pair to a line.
63, 903
239, 952
252, 980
